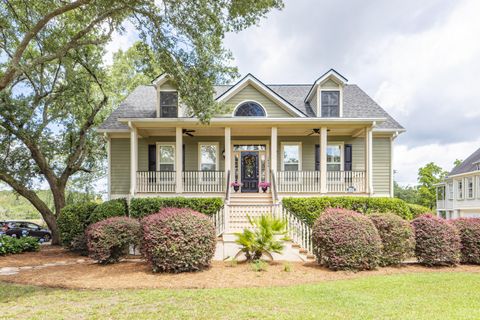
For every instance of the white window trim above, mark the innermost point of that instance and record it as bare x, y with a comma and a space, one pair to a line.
451, 191
319, 101
467, 180
217, 148
254, 101
341, 144
457, 189
165, 144
300, 151
478, 186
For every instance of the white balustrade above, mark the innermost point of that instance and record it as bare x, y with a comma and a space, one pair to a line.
155, 181
309, 181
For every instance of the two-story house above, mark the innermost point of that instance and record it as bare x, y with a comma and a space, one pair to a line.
459, 195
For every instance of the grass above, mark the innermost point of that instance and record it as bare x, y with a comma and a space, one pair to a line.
408, 296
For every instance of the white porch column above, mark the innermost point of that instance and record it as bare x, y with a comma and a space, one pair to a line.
323, 160
368, 161
228, 151
273, 150
178, 160
133, 158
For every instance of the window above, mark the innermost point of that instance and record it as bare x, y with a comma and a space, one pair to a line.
166, 157
168, 104
450, 191
208, 155
250, 109
470, 188
334, 158
441, 193
460, 189
292, 156
330, 104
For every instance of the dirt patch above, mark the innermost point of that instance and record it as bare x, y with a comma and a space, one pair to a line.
47, 254
136, 274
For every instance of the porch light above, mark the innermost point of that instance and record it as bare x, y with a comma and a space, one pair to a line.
351, 189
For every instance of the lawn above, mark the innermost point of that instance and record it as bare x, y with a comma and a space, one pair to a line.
453, 295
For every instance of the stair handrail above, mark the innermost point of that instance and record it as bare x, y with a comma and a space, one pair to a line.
274, 187
298, 230
227, 191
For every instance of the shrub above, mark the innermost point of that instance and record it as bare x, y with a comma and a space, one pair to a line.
108, 240
263, 238
398, 240
141, 207
108, 209
309, 209
469, 231
178, 240
437, 241
346, 240
11, 245
418, 210
72, 223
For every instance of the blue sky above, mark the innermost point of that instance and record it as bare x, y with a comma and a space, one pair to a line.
417, 59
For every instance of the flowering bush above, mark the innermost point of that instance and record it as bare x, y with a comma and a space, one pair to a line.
437, 241
398, 240
345, 239
469, 231
108, 240
178, 240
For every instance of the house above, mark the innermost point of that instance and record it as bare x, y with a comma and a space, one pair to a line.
459, 195
327, 138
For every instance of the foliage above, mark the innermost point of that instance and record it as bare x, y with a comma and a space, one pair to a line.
437, 241
469, 230
408, 194
259, 265
73, 222
55, 87
141, 207
108, 209
12, 245
398, 240
309, 209
346, 240
108, 240
428, 177
418, 210
178, 240
263, 239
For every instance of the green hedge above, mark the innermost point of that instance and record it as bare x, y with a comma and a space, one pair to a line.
11, 245
73, 221
309, 209
141, 207
418, 210
109, 209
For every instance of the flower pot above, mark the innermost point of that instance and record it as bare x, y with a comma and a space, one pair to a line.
236, 188
264, 189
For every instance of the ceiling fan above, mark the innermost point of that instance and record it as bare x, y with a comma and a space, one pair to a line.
188, 132
314, 131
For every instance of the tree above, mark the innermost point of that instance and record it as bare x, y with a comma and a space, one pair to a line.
428, 176
54, 87
457, 162
408, 193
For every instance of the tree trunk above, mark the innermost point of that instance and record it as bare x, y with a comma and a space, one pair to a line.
52, 225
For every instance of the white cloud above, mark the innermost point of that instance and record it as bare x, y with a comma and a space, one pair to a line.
123, 40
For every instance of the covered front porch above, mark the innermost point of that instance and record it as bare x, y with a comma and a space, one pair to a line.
294, 157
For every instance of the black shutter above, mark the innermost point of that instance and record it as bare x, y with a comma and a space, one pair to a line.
348, 157
317, 157
152, 157
183, 157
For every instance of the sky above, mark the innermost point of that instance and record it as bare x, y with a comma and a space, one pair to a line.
418, 59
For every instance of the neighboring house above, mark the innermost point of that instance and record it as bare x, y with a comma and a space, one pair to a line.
459, 195
322, 139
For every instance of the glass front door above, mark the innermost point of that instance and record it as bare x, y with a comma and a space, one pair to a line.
249, 162
250, 165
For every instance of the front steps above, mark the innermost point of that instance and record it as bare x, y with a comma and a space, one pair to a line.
250, 199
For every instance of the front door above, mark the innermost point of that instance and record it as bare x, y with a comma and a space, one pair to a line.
249, 171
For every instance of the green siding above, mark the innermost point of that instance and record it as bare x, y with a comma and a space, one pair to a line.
120, 170
167, 86
381, 166
249, 93
330, 84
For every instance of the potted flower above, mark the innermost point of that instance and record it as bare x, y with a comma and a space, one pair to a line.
236, 185
264, 185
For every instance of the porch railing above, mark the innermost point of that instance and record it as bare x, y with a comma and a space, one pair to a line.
155, 181
203, 181
309, 181
297, 230
218, 219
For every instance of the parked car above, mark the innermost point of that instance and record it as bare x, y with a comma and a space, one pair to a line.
23, 229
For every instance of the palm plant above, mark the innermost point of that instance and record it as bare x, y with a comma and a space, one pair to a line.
263, 239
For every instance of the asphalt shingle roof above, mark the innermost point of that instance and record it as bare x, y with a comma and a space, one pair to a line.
356, 104
470, 164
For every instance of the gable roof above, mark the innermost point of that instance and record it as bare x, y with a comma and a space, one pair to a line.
330, 74
470, 164
141, 103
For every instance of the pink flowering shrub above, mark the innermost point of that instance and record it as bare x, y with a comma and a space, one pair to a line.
469, 231
346, 240
398, 240
178, 240
108, 240
437, 241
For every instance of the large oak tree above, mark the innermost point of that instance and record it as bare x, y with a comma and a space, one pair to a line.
54, 86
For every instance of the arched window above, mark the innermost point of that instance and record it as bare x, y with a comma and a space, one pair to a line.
250, 109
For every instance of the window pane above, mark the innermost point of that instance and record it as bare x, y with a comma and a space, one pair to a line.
168, 104
333, 154
333, 167
291, 154
208, 157
330, 104
290, 167
250, 109
167, 154
166, 167
168, 112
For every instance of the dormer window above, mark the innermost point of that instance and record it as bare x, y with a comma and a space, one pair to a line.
168, 104
250, 109
330, 104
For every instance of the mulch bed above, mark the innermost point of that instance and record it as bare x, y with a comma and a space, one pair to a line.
135, 274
